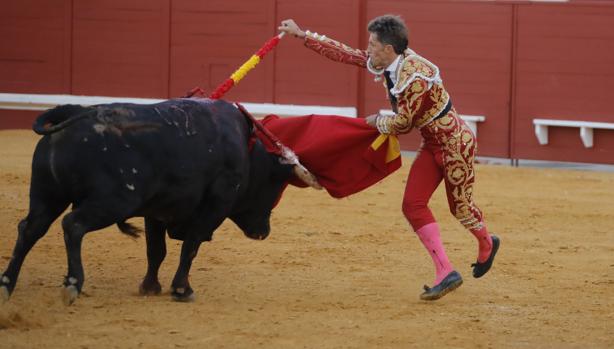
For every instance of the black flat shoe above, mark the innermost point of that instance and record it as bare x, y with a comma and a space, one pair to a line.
447, 285
479, 269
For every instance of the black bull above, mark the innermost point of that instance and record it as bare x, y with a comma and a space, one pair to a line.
184, 165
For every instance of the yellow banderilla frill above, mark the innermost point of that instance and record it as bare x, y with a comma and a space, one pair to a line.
246, 67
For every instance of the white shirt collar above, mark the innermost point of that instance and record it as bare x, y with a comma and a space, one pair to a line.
392, 68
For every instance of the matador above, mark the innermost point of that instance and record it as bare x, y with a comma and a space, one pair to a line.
419, 101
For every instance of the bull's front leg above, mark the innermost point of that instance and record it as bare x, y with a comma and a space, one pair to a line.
200, 231
180, 288
156, 252
206, 220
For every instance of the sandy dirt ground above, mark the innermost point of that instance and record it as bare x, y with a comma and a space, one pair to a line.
334, 273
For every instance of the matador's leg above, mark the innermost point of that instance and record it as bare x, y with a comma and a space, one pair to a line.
459, 177
424, 177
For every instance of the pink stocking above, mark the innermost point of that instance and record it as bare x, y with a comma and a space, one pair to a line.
430, 237
485, 243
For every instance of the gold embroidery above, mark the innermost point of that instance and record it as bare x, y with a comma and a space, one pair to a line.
459, 151
417, 87
439, 98
415, 67
419, 103
337, 51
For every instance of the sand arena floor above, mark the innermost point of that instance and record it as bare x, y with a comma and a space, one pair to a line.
334, 273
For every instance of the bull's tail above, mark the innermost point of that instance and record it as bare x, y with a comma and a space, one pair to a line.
59, 118
129, 229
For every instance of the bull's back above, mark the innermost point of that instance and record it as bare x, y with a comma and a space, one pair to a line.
163, 153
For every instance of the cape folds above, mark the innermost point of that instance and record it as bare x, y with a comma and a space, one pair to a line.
340, 151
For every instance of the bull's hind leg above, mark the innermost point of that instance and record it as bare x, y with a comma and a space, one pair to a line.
42, 213
156, 251
76, 224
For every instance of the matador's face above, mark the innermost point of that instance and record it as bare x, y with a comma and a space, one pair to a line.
382, 55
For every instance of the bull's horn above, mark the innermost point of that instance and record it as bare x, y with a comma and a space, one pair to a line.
301, 172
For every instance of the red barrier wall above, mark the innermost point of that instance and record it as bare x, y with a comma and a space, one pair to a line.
121, 48
565, 70
508, 61
16, 119
304, 77
35, 46
210, 39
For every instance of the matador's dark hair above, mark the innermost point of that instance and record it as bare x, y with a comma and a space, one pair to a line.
390, 30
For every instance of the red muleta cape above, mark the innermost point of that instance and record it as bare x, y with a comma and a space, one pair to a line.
336, 149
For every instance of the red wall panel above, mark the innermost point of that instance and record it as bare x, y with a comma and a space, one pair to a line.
565, 70
211, 39
35, 46
17, 119
471, 44
304, 77
120, 48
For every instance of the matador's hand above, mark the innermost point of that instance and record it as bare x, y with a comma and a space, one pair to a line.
371, 119
290, 27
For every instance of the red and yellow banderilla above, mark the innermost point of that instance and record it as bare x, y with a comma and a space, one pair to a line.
287, 154
251, 63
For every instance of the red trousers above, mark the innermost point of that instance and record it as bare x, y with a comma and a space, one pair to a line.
447, 153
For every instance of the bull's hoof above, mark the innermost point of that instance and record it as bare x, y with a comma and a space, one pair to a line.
4, 294
257, 236
185, 295
153, 289
69, 294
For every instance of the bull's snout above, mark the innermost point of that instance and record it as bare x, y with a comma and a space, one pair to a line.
258, 235
254, 227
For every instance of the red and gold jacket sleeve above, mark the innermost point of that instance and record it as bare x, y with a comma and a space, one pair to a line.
420, 96
335, 50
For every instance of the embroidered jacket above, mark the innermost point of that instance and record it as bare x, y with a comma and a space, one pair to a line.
419, 90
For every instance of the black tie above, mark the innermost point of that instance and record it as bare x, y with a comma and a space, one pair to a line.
389, 85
